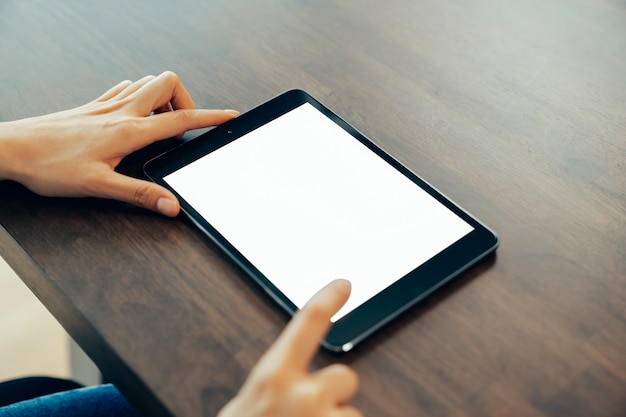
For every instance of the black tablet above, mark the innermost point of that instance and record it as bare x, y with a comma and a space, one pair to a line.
297, 197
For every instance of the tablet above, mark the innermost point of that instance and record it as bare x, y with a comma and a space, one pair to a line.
297, 197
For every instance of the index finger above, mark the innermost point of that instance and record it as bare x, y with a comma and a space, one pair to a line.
301, 339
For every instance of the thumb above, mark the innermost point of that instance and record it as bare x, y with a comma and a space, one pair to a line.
138, 192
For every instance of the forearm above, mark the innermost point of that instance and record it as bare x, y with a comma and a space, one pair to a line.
24, 148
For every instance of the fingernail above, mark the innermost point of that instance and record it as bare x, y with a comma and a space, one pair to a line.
232, 112
166, 206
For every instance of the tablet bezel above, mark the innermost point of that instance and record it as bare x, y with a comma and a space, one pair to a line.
386, 305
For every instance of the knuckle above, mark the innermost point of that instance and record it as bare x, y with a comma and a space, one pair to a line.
141, 195
341, 369
170, 76
341, 372
182, 117
349, 375
122, 85
146, 79
310, 394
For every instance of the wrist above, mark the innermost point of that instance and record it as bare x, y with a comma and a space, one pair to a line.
13, 155
7, 150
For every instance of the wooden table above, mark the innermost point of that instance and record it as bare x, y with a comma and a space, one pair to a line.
514, 109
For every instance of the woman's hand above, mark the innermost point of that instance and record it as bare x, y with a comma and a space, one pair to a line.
73, 153
280, 384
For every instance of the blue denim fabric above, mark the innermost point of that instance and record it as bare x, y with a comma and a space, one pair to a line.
97, 401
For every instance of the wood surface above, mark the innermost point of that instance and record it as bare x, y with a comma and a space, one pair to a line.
516, 110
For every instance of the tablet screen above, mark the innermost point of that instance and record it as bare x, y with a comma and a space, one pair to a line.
305, 203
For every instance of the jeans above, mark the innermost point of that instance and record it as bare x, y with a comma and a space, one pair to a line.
97, 401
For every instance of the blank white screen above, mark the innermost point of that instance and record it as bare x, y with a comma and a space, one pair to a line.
306, 203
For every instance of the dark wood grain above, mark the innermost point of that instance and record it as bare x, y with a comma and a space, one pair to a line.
515, 110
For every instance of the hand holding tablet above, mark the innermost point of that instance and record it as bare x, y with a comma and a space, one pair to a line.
297, 198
